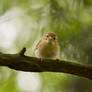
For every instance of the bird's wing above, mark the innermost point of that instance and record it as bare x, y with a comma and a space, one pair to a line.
37, 46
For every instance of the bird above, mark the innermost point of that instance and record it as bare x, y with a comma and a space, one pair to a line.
48, 47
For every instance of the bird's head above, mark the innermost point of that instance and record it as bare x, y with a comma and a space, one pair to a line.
50, 37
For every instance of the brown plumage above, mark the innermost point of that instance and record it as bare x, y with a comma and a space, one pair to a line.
48, 47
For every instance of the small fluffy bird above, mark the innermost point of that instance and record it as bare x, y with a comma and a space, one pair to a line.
48, 47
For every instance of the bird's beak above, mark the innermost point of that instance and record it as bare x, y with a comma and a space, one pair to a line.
50, 38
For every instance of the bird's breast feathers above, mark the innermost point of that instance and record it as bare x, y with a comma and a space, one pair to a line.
47, 50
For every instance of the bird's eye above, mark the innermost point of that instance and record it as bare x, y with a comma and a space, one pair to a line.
54, 38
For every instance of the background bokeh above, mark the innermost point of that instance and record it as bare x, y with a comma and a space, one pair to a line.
24, 22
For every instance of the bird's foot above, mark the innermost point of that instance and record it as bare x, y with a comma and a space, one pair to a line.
57, 59
41, 58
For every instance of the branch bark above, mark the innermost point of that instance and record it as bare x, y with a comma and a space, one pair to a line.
32, 64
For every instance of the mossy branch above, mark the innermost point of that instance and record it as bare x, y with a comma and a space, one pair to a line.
32, 64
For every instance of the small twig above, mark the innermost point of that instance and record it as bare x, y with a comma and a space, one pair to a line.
22, 52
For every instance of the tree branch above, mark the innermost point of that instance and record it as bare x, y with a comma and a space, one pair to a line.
32, 64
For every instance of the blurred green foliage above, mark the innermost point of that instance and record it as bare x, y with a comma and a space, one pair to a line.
71, 20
